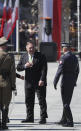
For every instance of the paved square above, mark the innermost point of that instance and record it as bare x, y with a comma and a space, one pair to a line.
54, 106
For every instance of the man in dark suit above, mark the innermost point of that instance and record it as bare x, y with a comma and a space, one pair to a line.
69, 69
35, 66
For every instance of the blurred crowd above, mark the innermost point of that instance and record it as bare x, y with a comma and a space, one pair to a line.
27, 31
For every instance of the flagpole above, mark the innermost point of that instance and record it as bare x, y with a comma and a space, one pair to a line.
17, 36
17, 32
78, 18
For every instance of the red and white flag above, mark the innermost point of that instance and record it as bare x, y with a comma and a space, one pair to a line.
52, 9
11, 23
9, 12
4, 17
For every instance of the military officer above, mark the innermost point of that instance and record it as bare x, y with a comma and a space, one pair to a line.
7, 110
69, 69
7, 81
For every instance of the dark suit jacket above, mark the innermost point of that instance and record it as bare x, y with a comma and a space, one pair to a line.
69, 69
35, 73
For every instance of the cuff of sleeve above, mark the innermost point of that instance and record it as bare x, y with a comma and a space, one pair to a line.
25, 67
13, 88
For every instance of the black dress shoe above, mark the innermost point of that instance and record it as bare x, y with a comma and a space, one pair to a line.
28, 121
4, 127
68, 125
42, 121
0, 128
7, 120
61, 122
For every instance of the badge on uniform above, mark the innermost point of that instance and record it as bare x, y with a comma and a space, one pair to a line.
60, 62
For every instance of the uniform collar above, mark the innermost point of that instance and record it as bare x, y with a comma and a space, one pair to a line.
66, 52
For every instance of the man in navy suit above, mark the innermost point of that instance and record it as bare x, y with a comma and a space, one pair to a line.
69, 69
35, 66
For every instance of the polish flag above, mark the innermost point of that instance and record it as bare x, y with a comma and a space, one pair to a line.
52, 10
9, 12
11, 23
3, 18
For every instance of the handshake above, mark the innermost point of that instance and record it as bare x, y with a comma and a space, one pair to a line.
15, 92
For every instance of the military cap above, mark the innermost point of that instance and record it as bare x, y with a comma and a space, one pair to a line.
66, 44
3, 41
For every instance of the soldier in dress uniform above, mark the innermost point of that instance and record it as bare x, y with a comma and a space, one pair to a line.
7, 81
69, 69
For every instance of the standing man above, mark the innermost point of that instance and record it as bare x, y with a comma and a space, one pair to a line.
69, 69
15, 93
7, 81
35, 66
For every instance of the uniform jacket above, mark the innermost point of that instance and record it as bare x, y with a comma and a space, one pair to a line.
35, 73
69, 69
7, 78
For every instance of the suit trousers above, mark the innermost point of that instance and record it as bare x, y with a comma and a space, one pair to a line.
66, 94
4, 117
30, 100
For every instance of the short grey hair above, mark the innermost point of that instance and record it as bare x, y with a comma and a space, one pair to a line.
30, 41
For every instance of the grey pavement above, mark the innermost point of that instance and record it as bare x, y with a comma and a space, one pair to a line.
17, 108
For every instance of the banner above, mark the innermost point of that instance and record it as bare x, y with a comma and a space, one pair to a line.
56, 35
9, 12
11, 23
3, 18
